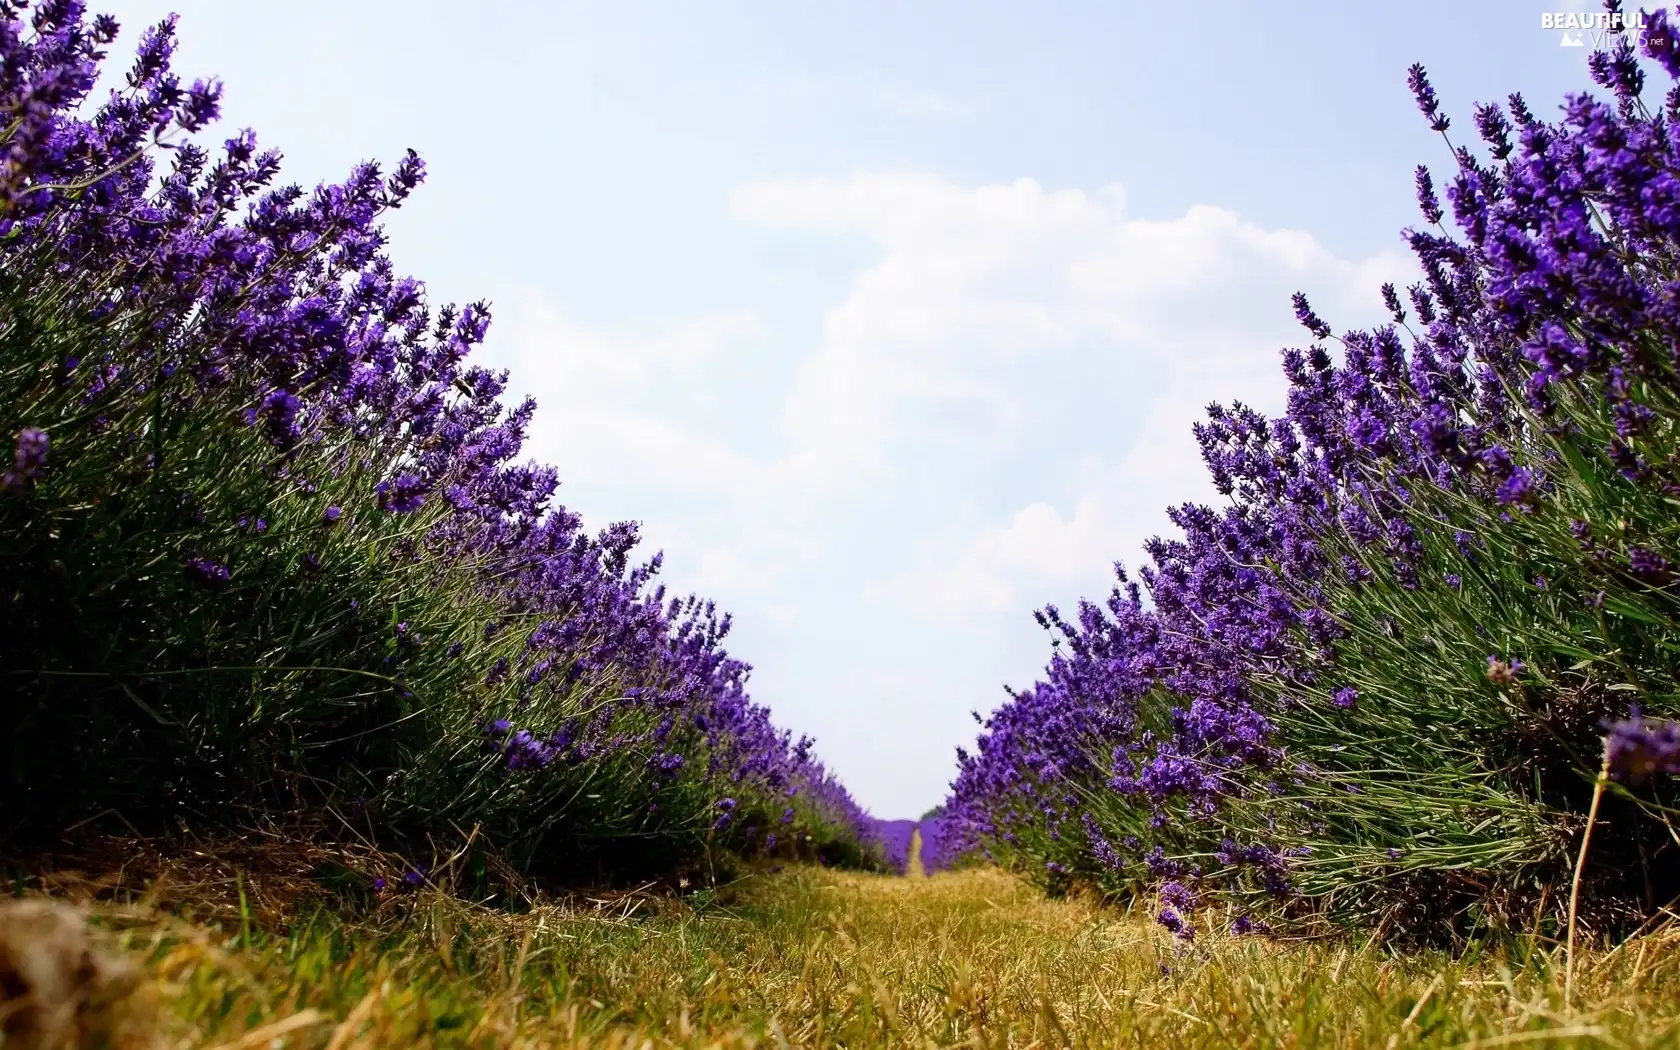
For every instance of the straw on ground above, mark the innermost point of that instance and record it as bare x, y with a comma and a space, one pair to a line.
818, 958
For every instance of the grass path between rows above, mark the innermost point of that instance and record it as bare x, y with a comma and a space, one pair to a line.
810, 957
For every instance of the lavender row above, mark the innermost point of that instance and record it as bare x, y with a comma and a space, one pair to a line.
1375, 684
268, 540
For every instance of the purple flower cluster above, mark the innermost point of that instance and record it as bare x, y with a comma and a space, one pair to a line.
1636, 747
29, 458
1323, 631
402, 496
207, 572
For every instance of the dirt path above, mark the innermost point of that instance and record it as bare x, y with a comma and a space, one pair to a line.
913, 866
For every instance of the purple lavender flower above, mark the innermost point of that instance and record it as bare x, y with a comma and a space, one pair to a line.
1495, 130
29, 459
201, 106
1501, 673
280, 408
1391, 299
402, 496
1518, 487
521, 749
1427, 201
207, 571
1177, 924
1636, 747
1427, 103
1246, 924
1101, 848
1366, 430
1650, 566
1177, 895
1540, 304
1310, 320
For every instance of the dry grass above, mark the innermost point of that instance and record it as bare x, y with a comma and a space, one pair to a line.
816, 958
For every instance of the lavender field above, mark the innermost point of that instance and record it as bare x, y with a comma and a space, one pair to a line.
279, 568
913, 846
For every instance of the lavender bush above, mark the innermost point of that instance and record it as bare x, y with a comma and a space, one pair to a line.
267, 539
1372, 686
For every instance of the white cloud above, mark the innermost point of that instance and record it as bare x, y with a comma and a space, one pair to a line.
936, 355
1037, 542
1039, 553
977, 289
973, 281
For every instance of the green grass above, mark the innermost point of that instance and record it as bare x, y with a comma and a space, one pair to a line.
811, 957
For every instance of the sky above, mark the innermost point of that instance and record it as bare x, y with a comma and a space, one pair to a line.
888, 321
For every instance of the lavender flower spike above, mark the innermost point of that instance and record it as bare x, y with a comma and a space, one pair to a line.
1636, 747
28, 459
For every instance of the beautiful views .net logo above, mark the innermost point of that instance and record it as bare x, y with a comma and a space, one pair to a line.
1596, 29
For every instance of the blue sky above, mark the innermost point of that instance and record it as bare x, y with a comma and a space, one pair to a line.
887, 320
